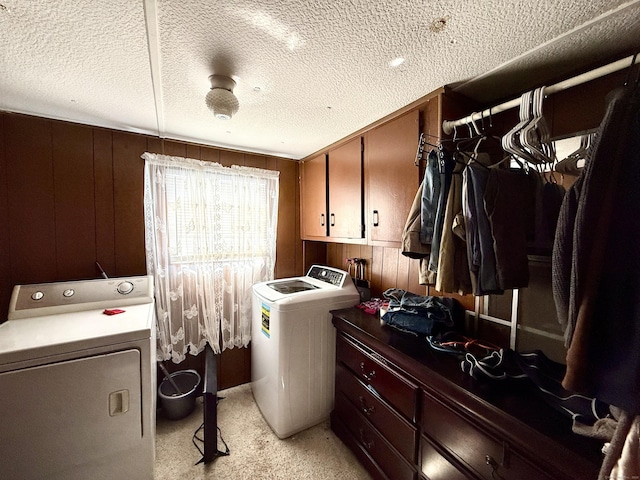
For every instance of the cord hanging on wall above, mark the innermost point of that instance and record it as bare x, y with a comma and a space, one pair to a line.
220, 99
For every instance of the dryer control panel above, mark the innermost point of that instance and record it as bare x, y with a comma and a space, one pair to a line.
62, 297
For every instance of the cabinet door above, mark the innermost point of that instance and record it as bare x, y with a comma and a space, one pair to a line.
313, 198
391, 178
345, 191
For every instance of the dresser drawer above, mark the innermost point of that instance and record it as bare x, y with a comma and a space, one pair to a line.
436, 467
398, 431
486, 456
373, 370
385, 456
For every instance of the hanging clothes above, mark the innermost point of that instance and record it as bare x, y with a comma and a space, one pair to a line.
453, 267
601, 234
445, 167
418, 230
481, 256
507, 200
430, 197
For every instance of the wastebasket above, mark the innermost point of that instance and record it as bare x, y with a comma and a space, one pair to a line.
178, 404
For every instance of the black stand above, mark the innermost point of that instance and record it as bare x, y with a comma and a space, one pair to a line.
210, 408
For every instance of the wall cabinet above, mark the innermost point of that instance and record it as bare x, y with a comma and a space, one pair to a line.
391, 177
313, 198
345, 191
332, 194
409, 412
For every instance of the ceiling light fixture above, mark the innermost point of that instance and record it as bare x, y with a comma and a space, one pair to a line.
220, 99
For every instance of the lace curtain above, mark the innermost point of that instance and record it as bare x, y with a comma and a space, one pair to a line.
210, 234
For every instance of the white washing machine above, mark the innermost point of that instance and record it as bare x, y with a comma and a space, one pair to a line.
77, 385
293, 346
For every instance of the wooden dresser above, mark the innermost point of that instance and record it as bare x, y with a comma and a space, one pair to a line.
409, 412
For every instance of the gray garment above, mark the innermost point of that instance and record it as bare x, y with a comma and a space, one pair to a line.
430, 197
477, 177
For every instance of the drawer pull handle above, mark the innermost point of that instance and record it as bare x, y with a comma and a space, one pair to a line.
366, 410
368, 444
367, 376
494, 467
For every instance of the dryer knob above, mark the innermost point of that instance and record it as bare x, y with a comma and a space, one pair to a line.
125, 287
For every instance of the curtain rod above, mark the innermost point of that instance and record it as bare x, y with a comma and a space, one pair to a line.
448, 125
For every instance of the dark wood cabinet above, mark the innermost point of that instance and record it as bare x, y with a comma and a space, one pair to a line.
408, 411
391, 177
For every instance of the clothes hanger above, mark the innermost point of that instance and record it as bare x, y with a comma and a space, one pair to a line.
535, 135
511, 141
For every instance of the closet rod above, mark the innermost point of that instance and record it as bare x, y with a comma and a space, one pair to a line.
448, 125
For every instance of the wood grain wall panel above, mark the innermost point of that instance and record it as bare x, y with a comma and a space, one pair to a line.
74, 190
389, 276
5, 263
174, 149
403, 272
273, 162
104, 195
414, 278
228, 158
31, 199
256, 161
210, 154
128, 175
229, 377
193, 151
288, 261
154, 145
376, 272
314, 253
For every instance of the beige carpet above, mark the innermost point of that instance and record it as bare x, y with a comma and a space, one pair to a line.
255, 451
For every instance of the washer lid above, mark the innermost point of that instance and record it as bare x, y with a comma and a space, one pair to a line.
294, 285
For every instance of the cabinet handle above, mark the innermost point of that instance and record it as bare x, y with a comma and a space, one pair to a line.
375, 218
367, 376
368, 411
333, 220
368, 444
322, 219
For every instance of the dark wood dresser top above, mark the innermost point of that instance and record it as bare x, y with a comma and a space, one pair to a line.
512, 410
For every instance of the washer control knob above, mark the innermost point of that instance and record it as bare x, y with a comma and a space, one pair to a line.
69, 292
125, 287
37, 295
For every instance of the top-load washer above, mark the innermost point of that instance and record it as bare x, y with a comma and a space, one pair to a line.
77, 381
293, 346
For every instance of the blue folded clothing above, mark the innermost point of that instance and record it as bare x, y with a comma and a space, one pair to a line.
422, 315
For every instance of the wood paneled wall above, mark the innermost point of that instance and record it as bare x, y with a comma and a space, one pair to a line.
71, 195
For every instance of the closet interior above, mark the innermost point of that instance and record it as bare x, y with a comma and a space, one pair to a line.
544, 134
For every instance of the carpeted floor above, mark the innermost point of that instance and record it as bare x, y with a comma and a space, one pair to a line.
255, 451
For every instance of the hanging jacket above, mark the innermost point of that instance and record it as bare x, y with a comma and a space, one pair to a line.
603, 288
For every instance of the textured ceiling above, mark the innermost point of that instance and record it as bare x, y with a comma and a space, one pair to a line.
308, 72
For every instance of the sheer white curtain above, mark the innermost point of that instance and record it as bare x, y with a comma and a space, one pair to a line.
210, 234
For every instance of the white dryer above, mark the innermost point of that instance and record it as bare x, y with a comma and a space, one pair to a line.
293, 346
78, 385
